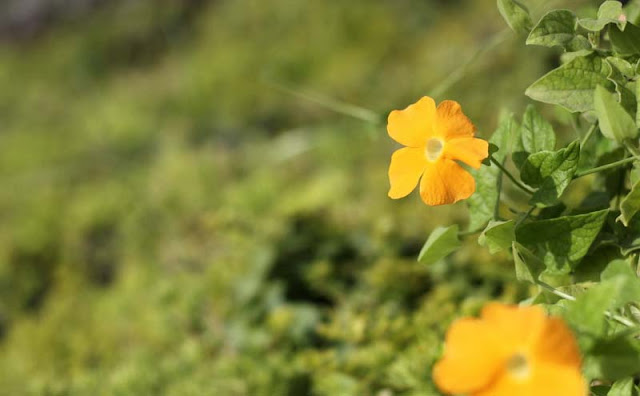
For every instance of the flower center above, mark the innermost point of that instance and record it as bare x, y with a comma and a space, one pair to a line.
433, 149
518, 366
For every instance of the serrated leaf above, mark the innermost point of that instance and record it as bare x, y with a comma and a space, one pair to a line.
630, 205
528, 266
516, 15
557, 27
483, 202
498, 236
551, 171
627, 41
441, 242
561, 242
572, 84
613, 120
609, 12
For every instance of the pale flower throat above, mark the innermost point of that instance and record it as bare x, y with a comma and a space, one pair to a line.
518, 366
433, 149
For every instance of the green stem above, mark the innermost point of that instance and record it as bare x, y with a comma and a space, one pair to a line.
526, 216
510, 176
631, 148
604, 167
617, 318
588, 135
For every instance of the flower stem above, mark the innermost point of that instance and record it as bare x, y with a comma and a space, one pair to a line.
510, 176
605, 167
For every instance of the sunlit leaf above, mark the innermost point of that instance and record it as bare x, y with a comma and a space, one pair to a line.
498, 236
630, 204
557, 27
441, 242
613, 120
572, 84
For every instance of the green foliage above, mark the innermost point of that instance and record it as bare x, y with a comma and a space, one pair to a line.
441, 242
630, 204
516, 15
613, 120
563, 241
608, 12
497, 236
558, 28
572, 85
551, 172
482, 204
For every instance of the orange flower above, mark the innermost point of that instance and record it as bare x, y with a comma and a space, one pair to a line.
510, 351
435, 139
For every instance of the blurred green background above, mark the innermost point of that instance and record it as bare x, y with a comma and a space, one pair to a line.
173, 222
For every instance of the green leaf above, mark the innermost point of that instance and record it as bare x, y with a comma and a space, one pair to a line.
441, 242
623, 387
615, 123
638, 99
630, 205
516, 15
620, 273
551, 171
561, 242
609, 12
483, 202
572, 84
627, 41
537, 133
498, 236
557, 27
587, 313
528, 266
613, 359
622, 65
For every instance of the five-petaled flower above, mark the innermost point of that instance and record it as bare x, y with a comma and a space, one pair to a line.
510, 351
435, 138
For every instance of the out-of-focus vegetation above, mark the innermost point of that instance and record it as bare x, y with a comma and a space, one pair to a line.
172, 223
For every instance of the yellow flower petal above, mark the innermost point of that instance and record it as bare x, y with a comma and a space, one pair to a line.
533, 355
445, 182
407, 165
471, 151
547, 380
518, 326
557, 345
451, 123
413, 125
469, 361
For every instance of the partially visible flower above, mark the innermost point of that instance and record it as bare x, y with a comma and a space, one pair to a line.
435, 138
510, 351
